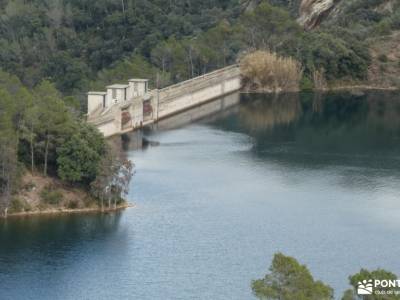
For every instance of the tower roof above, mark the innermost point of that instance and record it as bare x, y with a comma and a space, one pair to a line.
138, 80
117, 86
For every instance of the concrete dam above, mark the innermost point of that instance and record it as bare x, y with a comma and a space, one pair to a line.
126, 107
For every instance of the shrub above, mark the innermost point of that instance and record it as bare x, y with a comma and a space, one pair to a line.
19, 205
89, 201
29, 186
50, 195
382, 28
73, 204
306, 84
266, 71
383, 58
42, 206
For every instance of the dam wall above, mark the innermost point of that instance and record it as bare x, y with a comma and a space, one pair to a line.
126, 115
197, 91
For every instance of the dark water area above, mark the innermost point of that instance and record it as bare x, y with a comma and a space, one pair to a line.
220, 189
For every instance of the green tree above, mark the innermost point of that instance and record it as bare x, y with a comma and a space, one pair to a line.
29, 132
54, 121
290, 280
79, 157
113, 178
268, 27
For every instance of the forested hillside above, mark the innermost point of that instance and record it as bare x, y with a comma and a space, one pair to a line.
69, 41
85, 44
338, 44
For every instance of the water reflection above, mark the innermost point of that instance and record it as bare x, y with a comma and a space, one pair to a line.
265, 112
316, 129
207, 112
48, 235
336, 128
384, 110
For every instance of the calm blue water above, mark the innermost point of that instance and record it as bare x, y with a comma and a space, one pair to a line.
315, 177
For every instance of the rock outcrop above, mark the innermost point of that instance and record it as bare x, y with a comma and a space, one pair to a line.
313, 12
249, 5
386, 6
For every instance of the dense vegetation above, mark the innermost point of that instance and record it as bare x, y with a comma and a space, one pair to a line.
41, 131
69, 41
82, 44
289, 280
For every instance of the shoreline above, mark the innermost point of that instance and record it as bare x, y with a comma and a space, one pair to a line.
326, 90
360, 87
65, 211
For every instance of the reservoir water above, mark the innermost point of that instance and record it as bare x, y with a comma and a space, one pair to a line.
220, 189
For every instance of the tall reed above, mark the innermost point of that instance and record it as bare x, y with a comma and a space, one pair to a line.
267, 72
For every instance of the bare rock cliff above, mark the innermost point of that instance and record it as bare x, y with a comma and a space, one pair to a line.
249, 5
313, 12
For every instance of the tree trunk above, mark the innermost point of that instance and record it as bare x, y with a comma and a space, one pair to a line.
46, 153
32, 153
123, 7
191, 62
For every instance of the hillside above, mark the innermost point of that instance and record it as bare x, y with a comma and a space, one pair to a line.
69, 41
373, 26
377, 22
385, 67
80, 45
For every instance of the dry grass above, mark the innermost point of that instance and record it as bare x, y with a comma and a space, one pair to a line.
33, 185
266, 71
